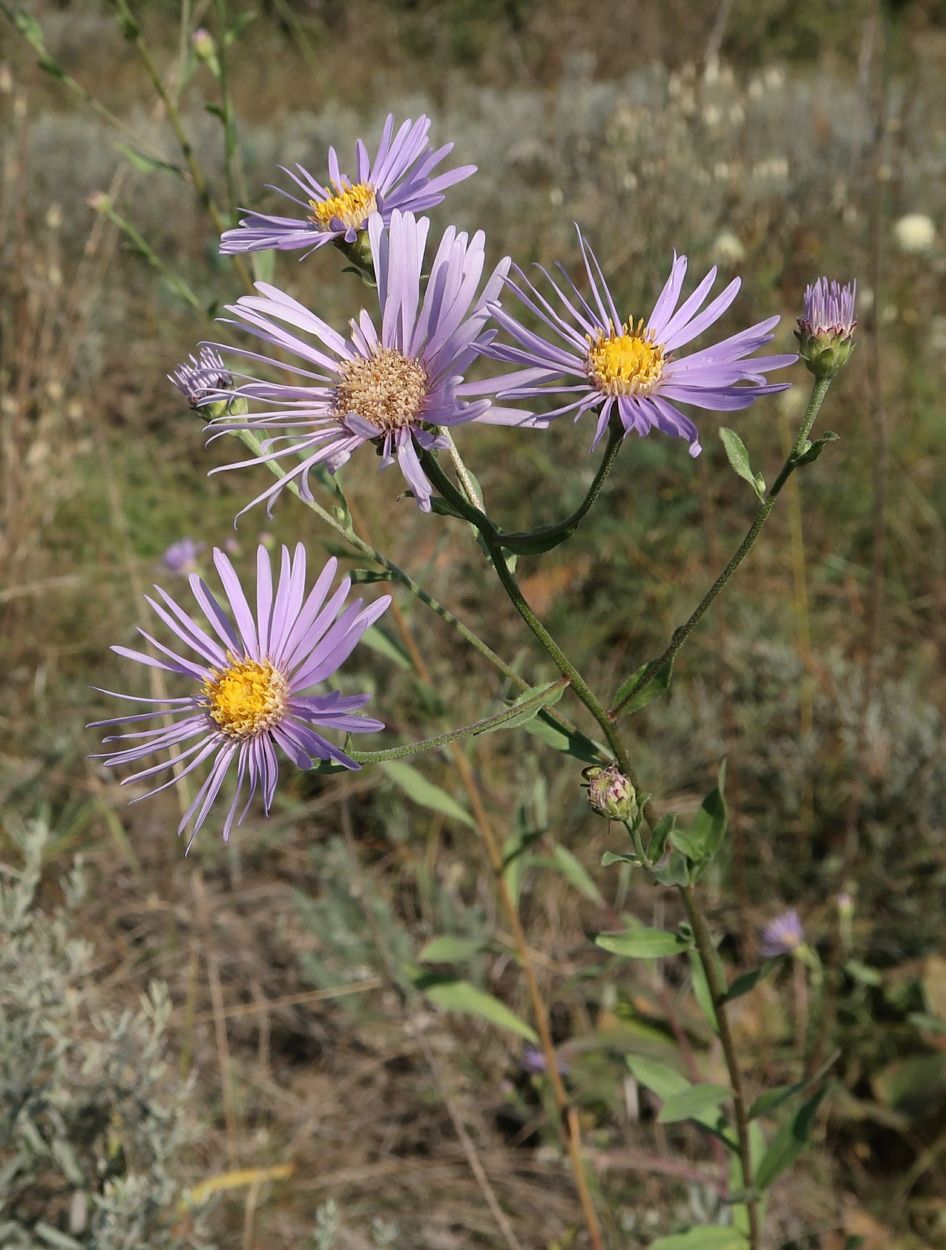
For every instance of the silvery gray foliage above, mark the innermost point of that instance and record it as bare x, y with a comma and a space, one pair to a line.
328, 1232
90, 1132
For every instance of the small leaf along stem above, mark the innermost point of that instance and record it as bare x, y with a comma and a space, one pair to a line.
795, 457
493, 544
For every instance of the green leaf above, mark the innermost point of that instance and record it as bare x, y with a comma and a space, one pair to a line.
146, 164
661, 835
451, 994
660, 1078
738, 457
861, 972
575, 873
612, 857
30, 29
529, 704
702, 1237
789, 1141
747, 981
701, 989
676, 871
773, 1098
690, 1104
701, 842
569, 741
51, 67
449, 950
639, 942
438, 505
423, 792
264, 265
658, 683
814, 449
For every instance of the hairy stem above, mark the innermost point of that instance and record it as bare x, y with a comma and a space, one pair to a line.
818, 392
717, 987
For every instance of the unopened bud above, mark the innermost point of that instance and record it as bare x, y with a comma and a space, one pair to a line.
610, 794
204, 45
99, 201
826, 329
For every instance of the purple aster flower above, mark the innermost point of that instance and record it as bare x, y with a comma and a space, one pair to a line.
181, 557
399, 177
617, 366
826, 327
533, 1062
201, 376
829, 308
391, 387
254, 673
783, 935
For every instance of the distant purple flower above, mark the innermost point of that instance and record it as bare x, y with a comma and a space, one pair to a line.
829, 309
252, 672
783, 935
533, 1062
611, 364
391, 388
397, 178
201, 376
181, 557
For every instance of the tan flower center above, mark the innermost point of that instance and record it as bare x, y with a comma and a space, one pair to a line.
626, 362
387, 389
247, 697
352, 206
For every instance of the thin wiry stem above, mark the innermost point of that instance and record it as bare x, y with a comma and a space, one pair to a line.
818, 392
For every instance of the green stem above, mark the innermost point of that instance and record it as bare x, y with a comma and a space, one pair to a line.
231, 152
527, 542
133, 33
818, 392
148, 254
717, 988
403, 578
493, 543
516, 711
464, 476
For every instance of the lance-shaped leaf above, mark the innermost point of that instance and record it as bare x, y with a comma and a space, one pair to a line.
639, 942
657, 683
451, 994
788, 1143
814, 449
703, 1237
701, 842
738, 457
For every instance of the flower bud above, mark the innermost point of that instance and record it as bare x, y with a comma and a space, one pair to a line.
203, 381
825, 330
205, 48
610, 794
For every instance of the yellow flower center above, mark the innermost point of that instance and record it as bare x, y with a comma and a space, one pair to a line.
387, 389
247, 697
626, 361
351, 205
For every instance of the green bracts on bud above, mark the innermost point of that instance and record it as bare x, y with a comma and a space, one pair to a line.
825, 354
610, 794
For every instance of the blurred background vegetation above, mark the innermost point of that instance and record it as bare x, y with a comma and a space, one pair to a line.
328, 1107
